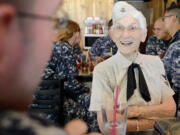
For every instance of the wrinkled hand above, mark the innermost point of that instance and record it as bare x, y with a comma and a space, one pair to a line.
133, 112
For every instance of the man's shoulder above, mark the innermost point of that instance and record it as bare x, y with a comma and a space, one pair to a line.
174, 46
101, 42
178, 34
62, 49
17, 123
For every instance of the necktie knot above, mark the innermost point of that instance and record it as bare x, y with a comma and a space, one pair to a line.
134, 65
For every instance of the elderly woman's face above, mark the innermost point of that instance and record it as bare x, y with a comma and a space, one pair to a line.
127, 34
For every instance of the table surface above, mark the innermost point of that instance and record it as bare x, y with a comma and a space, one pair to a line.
148, 132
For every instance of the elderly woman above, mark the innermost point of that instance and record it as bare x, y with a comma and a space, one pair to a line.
141, 78
63, 64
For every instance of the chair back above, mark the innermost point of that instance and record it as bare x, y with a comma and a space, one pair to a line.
48, 100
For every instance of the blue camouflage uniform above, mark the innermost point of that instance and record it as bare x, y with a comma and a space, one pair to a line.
103, 45
18, 123
77, 100
172, 66
155, 46
77, 52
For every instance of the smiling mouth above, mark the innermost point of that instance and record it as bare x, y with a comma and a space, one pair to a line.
126, 43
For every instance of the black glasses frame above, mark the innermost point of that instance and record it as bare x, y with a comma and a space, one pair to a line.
163, 18
62, 21
35, 16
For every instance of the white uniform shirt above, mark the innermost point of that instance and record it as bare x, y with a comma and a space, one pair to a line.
113, 72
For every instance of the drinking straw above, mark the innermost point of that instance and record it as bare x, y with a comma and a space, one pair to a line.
111, 51
87, 55
90, 59
115, 110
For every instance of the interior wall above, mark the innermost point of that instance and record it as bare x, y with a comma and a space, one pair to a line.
158, 7
169, 2
79, 10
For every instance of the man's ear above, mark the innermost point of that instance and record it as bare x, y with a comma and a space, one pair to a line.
7, 15
175, 18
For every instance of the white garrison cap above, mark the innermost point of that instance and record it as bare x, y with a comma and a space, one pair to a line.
122, 8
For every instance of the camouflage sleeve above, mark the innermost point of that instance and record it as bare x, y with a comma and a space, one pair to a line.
172, 64
176, 77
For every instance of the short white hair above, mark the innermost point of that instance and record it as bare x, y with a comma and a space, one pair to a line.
122, 8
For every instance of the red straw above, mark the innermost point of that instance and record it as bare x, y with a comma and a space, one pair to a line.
115, 110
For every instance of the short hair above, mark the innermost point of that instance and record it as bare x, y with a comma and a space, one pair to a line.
174, 10
67, 32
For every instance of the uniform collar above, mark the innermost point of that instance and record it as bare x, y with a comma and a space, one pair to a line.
124, 62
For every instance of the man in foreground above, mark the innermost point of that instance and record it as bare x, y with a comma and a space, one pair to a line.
26, 31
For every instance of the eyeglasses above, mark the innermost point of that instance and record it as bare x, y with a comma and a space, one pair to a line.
120, 28
61, 21
164, 17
